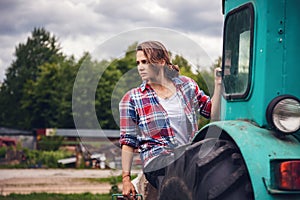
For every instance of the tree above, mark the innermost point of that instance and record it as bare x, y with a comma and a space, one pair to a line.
49, 95
128, 79
112, 79
39, 49
209, 74
42, 86
186, 69
91, 93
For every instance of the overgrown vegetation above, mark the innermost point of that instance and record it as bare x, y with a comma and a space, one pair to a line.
50, 143
38, 158
3, 152
44, 158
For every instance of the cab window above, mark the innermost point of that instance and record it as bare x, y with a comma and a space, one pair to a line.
237, 52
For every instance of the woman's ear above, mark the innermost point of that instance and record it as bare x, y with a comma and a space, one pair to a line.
162, 62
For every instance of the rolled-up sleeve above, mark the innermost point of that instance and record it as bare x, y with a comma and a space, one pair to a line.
128, 122
204, 102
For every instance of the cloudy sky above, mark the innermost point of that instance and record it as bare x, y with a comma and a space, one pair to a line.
84, 25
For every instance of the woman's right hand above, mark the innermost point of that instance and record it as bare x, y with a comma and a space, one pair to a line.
128, 188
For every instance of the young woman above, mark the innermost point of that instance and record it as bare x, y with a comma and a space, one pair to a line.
161, 114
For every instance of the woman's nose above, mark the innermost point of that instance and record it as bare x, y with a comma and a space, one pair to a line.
140, 67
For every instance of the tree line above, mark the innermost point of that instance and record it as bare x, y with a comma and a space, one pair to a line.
40, 83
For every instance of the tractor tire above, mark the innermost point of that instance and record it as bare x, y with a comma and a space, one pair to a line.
211, 169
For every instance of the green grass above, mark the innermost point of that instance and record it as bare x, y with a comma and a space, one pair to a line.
52, 196
118, 179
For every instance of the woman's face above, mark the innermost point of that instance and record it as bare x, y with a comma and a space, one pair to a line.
146, 71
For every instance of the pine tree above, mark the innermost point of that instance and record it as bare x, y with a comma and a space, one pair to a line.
39, 49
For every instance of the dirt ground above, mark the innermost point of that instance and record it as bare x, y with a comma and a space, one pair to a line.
25, 181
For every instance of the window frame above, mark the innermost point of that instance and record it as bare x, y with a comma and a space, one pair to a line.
237, 96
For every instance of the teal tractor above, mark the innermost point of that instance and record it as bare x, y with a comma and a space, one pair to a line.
253, 150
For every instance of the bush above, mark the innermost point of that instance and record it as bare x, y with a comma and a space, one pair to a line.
3, 152
50, 143
35, 158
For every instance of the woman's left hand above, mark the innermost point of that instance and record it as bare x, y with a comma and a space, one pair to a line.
218, 76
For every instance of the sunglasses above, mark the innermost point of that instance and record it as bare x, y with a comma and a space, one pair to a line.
142, 62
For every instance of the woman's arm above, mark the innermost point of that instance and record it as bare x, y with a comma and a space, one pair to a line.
216, 98
127, 156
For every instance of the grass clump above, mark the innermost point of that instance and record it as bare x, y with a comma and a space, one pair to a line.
54, 196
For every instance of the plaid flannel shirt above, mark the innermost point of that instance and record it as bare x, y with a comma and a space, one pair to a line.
144, 123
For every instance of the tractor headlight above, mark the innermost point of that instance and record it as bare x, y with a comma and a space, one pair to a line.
283, 114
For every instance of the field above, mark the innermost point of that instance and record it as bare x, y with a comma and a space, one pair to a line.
56, 183
51, 196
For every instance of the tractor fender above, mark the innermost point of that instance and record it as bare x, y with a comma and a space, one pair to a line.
258, 147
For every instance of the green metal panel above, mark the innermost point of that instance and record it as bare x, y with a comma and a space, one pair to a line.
258, 147
291, 70
275, 63
275, 72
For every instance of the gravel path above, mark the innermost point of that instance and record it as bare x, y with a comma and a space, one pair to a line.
25, 181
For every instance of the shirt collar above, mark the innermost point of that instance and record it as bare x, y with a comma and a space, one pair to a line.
176, 80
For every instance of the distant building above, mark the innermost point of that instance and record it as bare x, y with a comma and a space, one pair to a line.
5, 142
81, 133
26, 138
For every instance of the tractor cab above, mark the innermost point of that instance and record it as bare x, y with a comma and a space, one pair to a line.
260, 73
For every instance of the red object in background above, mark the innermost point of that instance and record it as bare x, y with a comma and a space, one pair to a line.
41, 131
7, 142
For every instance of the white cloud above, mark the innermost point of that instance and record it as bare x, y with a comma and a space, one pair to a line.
2, 69
211, 45
82, 25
